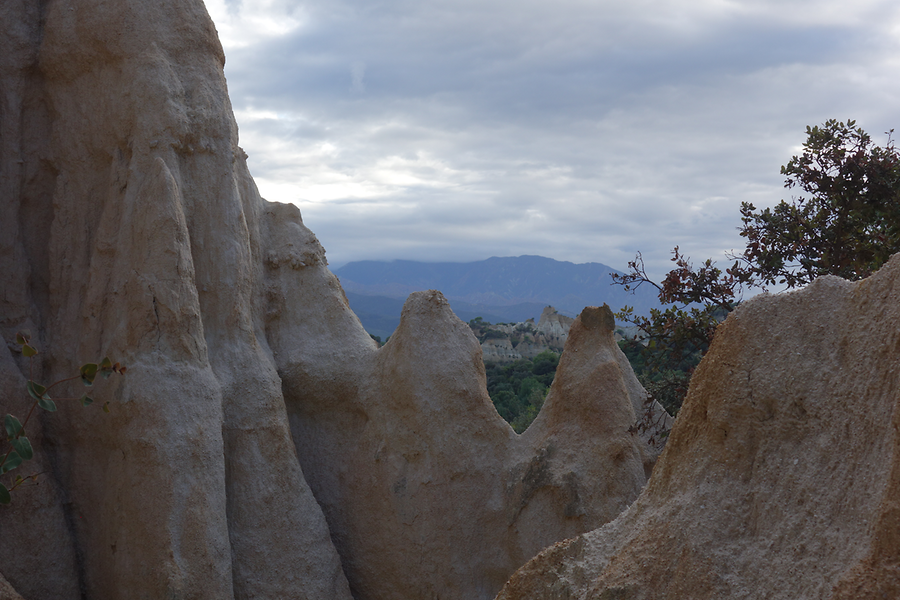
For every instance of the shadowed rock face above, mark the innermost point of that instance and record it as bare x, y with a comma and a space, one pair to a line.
780, 477
260, 445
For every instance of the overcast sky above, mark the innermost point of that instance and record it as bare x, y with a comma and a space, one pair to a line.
580, 130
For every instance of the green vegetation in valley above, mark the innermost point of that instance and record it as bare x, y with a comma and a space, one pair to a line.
667, 374
518, 389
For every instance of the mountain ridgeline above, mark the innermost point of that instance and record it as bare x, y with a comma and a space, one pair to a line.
509, 289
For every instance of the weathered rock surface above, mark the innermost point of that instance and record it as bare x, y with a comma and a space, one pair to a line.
781, 477
554, 327
260, 445
499, 350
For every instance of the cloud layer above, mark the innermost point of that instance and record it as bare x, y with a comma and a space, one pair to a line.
578, 130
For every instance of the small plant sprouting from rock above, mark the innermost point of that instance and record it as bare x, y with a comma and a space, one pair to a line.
20, 449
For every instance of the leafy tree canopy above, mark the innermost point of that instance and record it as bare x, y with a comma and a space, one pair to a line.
846, 222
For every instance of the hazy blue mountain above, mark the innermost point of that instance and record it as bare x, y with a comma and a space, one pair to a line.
507, 289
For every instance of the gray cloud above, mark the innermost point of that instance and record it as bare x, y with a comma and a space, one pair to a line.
583, 131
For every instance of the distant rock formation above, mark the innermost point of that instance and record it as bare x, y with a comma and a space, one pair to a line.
781, 477
260, 446
505, 342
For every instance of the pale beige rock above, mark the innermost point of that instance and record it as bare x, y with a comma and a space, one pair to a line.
554, 327
499, 351
780, 478
38, 520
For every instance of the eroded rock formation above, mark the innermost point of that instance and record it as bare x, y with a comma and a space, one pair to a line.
260, 445
780, 478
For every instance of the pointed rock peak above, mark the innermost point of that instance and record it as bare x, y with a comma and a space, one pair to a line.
431, 303
551, 319
291, 243
592, 329
428, 322
590, 384
596, 390
597, 318
435, 365
427, 315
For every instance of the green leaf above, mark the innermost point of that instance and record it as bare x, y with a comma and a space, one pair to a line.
47, 404
106, 367
12, 461
23, 448
35, 390
22, 337
88, 373
4, 495
13, 427
28, 351
85, 401
106, 407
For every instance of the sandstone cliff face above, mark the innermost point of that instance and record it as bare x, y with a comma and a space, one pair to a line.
780, 478
554, 327
260, 446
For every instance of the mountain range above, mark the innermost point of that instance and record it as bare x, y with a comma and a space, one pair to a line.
507, 289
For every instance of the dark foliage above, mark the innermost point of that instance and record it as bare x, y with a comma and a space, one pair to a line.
847, 224
674, 339
518, 389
